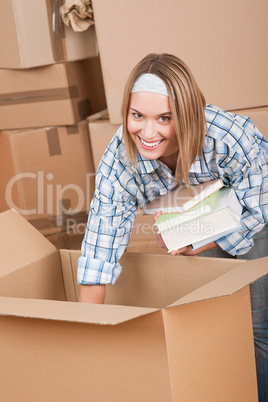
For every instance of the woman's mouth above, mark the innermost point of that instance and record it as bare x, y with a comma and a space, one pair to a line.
149, 144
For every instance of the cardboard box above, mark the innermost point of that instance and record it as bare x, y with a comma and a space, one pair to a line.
60, 94
63, 239
32, 34
146, 247
259, 116
143, 236
47, 174
227, 59
172, 328
101, 132
143, 228
64, 231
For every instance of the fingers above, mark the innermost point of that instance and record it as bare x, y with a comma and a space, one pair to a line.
159, 239
183, 251
157, 214
174, 252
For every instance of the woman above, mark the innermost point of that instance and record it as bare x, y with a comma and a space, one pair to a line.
169, 136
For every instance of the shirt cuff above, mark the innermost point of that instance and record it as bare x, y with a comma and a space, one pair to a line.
96, 272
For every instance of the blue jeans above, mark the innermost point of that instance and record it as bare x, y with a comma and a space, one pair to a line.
259, 308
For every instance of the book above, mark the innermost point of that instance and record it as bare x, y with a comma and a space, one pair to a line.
170, 220
183, 198
223, 218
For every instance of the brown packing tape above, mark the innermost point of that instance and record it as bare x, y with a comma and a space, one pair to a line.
43, 95
53, 141
57, 30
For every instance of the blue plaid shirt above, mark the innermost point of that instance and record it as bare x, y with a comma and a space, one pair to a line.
234, 151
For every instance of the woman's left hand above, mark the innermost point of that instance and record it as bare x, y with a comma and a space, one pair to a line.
185, 251
159, 239
188, 250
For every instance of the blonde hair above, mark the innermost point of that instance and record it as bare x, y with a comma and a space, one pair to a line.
187, 108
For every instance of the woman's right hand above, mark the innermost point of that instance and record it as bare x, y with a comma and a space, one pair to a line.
92, 294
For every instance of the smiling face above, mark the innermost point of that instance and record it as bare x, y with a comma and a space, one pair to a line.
151, 127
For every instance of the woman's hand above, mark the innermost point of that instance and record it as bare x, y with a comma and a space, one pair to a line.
189, 251
184, 250
92, 294
159, 239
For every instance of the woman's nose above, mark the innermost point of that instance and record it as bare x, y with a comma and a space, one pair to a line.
148, 129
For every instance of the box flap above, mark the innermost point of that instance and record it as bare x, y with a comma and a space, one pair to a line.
229, 283
20, 243
154, 280
69, 272
70, 311
150, 280
30, 265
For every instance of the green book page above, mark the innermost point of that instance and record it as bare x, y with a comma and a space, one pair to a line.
208, 201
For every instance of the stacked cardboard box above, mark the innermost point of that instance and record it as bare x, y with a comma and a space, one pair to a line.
33, 34
228, 59
51, 81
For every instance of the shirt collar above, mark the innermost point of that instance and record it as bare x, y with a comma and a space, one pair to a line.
146, 166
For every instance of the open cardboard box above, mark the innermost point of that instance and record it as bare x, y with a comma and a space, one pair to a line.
172, 328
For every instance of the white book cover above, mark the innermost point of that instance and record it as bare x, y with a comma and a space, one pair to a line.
224, 218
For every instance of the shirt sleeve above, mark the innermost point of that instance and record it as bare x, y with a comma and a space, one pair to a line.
110, 221
243, 164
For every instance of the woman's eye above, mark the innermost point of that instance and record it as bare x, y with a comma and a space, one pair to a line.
164, 118
137, 115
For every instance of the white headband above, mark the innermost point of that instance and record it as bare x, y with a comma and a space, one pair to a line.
150, 83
